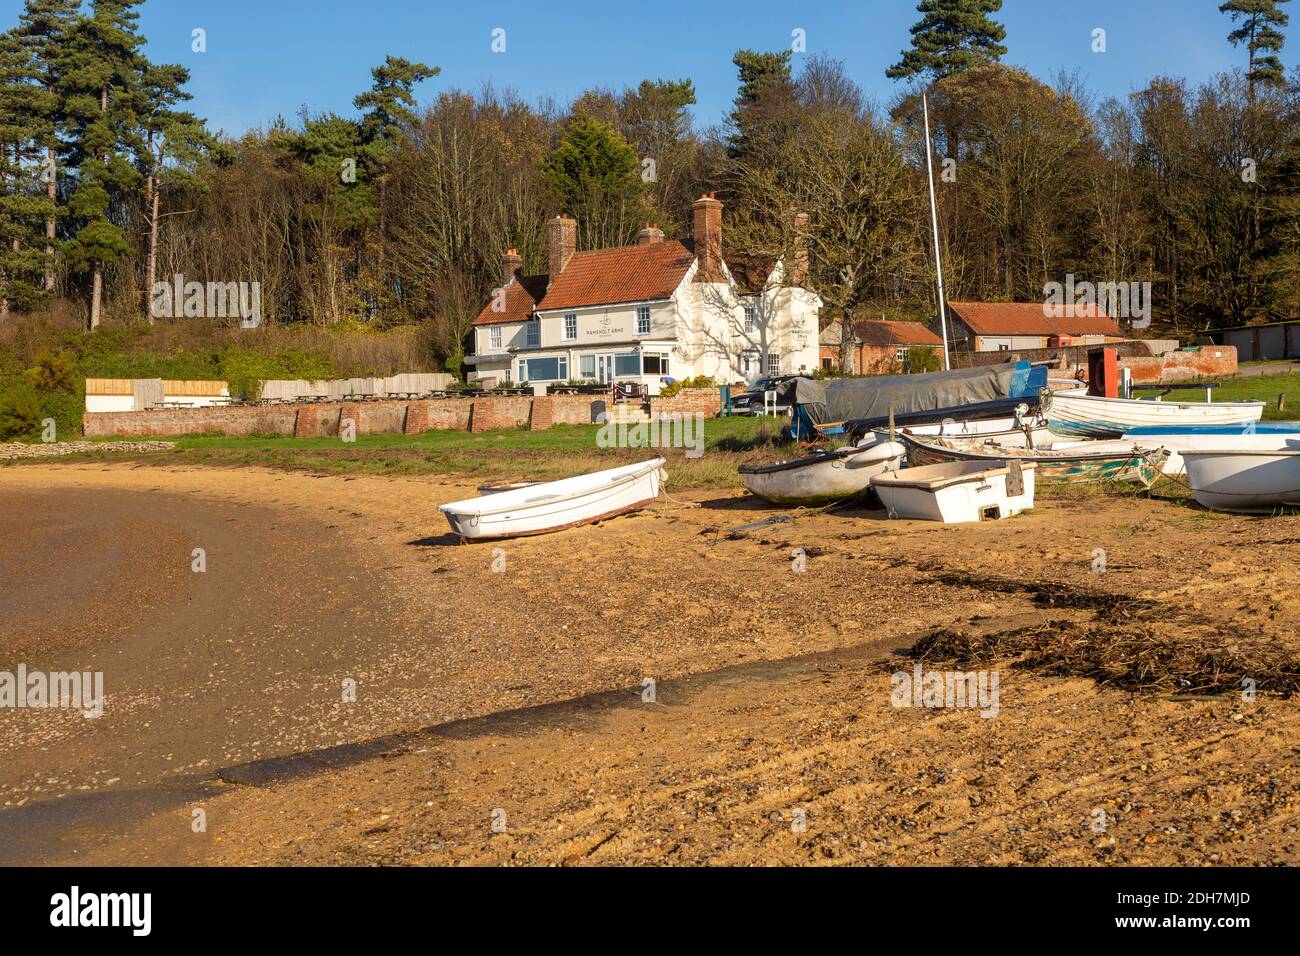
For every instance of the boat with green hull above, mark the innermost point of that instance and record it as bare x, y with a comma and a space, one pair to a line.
1093, 461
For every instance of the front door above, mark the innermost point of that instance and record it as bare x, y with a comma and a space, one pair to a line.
605, 368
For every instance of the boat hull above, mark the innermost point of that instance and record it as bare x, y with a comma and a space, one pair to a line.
822, 479
1077, 415
1116, 461
1002, 432
1244, 480
956, 492
555, 505
1208, 438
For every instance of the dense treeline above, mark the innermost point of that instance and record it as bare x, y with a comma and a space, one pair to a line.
400, 214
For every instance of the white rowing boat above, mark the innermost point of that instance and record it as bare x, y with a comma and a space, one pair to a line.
1245, 479
1080, 415
823, 478
1004, 432
958, 491
552, 505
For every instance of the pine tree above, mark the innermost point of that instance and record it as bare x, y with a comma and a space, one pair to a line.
19, 207
42, 28
763, 111
594, 175
388, 111
1261, 20
99, 66
952, 36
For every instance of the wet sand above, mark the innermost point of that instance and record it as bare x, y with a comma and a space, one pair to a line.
523, 691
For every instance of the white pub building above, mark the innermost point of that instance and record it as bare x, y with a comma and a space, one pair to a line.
660, 308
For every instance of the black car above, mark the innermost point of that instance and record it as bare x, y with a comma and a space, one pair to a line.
750, 401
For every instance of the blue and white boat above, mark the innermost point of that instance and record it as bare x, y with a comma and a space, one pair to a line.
1240, 428
1077, 414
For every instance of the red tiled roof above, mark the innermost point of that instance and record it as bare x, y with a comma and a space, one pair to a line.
885, 332
624, 274
522, 296
1027, 318
605, 277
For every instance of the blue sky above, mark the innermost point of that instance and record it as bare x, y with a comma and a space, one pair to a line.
269, 57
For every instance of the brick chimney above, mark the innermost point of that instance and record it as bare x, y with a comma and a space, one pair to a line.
649, 235
511, 263
798, 266
708, 238
562, 234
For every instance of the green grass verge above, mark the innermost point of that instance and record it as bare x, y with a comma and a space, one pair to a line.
505, 454
1264, 388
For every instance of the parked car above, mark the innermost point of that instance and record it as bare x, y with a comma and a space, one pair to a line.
750, 401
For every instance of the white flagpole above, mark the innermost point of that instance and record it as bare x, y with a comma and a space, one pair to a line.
934, 222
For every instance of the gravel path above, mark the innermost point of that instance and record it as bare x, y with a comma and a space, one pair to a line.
53, 449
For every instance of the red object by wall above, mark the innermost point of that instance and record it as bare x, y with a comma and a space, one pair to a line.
1103, 373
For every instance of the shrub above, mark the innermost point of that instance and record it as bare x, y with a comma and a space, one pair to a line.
20, 412
699, 381
923, 358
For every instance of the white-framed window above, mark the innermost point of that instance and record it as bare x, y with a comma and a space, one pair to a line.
627, 363
534, 333
494, 337
587, 366
900, 353
571, 326
773, 363
643, 320
751, 318
655, 363
553, 369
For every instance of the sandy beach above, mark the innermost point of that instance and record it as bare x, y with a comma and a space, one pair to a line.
660, 688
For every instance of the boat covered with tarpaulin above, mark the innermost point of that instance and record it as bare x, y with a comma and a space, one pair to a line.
859, 405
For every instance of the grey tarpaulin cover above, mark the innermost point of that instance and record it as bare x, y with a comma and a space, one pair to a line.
841, 399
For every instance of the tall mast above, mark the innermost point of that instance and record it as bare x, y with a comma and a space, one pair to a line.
934, 222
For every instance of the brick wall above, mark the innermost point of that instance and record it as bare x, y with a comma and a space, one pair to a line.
687, 402
191, 421
315, 420
1207, 362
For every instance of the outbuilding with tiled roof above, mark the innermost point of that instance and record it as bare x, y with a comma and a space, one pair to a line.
1012, 326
